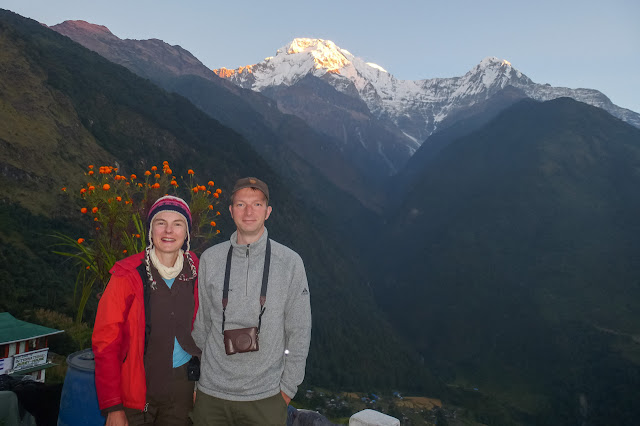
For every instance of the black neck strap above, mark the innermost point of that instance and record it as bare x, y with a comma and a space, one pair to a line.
263, 290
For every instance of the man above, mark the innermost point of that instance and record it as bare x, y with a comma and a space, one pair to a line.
255, 330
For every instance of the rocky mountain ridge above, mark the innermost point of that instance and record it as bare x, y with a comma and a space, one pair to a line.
300, 153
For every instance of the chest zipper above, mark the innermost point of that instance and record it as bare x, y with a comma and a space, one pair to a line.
246, 282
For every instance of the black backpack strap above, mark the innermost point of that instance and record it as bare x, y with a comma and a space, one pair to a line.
263, 289
146, 296
225, 289
265, 281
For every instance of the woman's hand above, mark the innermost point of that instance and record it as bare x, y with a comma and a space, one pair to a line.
117, 418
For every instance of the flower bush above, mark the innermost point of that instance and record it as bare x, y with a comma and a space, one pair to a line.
115, 208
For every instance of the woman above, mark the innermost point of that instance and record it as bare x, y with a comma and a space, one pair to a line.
142, 335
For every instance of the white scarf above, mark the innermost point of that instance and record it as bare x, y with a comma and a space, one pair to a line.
167, 272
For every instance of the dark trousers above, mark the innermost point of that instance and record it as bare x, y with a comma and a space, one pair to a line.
212, 411
166, 409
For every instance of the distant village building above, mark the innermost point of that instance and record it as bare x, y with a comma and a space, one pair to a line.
24, 347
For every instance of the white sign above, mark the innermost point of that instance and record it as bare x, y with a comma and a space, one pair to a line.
30, 359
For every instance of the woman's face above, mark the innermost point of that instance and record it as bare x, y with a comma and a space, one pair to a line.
168, 232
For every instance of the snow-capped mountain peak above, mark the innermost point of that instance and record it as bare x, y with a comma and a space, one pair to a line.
326, 55
417, 107
301, 57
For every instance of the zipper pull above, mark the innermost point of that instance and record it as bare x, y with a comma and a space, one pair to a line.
146, 407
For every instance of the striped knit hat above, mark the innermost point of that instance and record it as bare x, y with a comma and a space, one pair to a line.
177, 205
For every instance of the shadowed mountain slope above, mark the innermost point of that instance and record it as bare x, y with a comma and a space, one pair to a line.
518, 264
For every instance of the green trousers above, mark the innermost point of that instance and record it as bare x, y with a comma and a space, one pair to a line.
212, 411
169, 408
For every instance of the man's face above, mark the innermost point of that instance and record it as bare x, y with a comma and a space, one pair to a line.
249, 211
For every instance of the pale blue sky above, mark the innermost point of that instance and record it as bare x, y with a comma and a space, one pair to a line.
569, 43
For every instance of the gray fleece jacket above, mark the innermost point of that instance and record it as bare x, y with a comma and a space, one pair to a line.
286, 322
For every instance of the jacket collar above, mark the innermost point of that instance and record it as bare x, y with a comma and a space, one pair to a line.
253, 248
131, 263
124, 266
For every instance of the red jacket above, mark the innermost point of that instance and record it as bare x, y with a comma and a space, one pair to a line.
118, 336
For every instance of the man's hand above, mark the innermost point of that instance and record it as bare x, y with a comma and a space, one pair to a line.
286, 398
117, 418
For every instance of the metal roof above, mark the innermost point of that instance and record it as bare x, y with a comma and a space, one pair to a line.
14, 330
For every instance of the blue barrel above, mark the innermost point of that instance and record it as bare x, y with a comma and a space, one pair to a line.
79, 401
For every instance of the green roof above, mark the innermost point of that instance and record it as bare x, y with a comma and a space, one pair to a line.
14, 330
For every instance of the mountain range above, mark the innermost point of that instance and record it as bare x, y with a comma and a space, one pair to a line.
415, 109
485, 236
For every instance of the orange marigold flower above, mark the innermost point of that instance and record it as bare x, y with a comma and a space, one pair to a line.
95, 219
168, 171
140, 185
217, 231
218, 191
80, 240
128, 202
83, 210
83, 190
118, 198
157, 176
124, 251
147, 173
210, 207
90, 166
213, 223
174, 183
217, 213
87, 267
127, 183
202, 188
64, 188
216, 195
94, 210
90, 172
156, 185
137, 235
195, 189
134, 177
210, 183
208, 192
191, 172
91, 188
98, 228
154, 168
165, 163
106, 187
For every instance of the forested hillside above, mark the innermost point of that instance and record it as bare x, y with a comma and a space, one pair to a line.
64, 107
